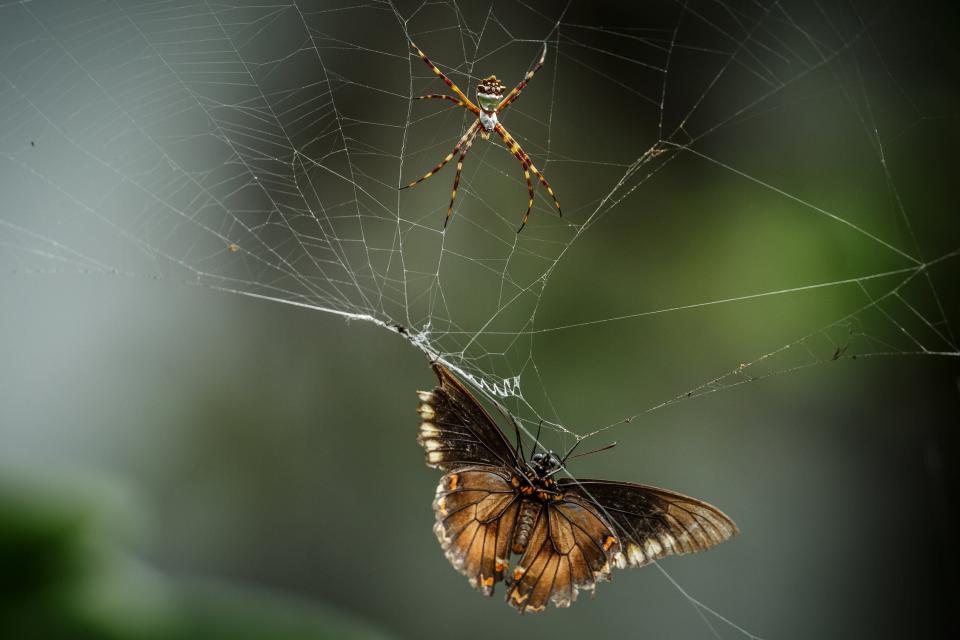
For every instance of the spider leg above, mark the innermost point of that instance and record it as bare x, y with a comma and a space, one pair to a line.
460, 94
456, 180
513, 95
438, 96
526, 175
527, 164
466, 136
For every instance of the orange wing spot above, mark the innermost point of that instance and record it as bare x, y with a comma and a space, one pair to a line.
518, 573
608, 543
453, 481
516, 597
514, 482
499, 566
487, 582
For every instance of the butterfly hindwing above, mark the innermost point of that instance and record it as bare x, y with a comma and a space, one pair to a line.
652, 522
476, 509
456, 430
570, 550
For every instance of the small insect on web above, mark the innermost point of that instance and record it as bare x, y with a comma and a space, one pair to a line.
492, 102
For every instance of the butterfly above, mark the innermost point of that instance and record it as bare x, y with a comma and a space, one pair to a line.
493, 505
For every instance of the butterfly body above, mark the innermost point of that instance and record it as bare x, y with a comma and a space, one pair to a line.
526, 519
492, 507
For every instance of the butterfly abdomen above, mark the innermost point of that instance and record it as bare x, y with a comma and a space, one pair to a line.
529, 510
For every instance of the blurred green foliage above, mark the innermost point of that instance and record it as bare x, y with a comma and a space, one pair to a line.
63, 579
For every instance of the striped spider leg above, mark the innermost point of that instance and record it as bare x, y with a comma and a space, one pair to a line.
490, 95
515, 93
463, 101
466, 141
527, 166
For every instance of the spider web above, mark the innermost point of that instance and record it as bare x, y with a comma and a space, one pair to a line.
257, 148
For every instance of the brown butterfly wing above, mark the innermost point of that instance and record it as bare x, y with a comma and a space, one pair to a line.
456, 430
574, 540
476, 509
651, 522
570, 550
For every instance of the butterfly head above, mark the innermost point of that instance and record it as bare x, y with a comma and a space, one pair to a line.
545, 464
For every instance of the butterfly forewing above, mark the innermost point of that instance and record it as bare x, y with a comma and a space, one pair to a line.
456, 430
652, 522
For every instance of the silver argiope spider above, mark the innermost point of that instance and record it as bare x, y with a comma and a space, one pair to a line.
492, 102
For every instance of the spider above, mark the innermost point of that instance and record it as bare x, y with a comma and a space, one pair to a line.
492, 102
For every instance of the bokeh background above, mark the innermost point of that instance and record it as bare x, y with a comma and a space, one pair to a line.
181, 461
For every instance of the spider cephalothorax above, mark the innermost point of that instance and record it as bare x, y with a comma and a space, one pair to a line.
490, 95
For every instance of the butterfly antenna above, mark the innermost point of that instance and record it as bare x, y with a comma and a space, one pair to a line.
580, 455
567, 454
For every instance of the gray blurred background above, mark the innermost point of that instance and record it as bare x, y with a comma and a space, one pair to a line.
182, 461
